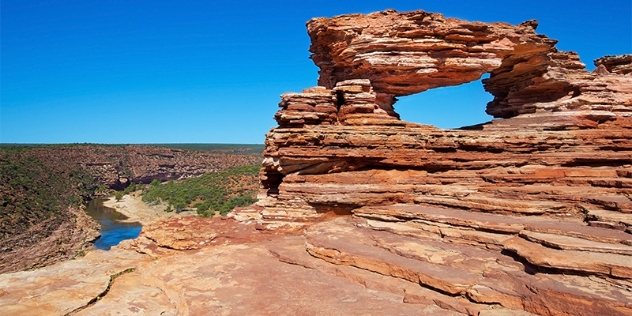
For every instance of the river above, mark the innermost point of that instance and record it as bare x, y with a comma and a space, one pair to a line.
113, 230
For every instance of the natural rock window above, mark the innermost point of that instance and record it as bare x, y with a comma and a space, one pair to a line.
447, 107
343, 144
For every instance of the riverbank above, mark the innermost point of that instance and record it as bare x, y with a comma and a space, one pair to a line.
132, 206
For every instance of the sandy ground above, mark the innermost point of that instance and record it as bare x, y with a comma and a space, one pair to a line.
136, 210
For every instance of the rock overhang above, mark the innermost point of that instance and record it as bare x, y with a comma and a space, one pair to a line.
411, 52
406, 53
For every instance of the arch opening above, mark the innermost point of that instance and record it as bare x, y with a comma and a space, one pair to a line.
447, 107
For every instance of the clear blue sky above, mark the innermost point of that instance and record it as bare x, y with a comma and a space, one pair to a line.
212, 71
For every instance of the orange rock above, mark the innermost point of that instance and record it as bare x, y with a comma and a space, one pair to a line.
523, 187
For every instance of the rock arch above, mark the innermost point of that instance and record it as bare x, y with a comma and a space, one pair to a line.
552, 173
342, 145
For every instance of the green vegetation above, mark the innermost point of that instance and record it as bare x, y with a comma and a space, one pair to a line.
129, 189
118, 195
213, 192
32, 192
41, 185
101, 189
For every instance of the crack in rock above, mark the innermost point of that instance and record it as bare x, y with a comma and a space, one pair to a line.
102, 294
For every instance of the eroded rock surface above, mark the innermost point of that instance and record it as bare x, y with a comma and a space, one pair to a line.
564, 148
242, 271
117, 166
531, 211
349, 265
72, 238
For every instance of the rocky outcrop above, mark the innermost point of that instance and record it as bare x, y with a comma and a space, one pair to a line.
242, 271
544, 190
352, 266
444, 259
406, 53
562, 149
360, 211
621, 64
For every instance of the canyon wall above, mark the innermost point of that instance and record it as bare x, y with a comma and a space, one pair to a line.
116, 166
549, 175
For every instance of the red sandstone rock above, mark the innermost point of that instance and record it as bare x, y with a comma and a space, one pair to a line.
526, 214
179, 234
621, 64
68, 240
242, 271
547, 184
484, 276
405, 53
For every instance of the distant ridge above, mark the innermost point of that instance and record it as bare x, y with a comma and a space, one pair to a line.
228, 148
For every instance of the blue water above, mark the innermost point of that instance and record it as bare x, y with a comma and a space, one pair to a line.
113, 231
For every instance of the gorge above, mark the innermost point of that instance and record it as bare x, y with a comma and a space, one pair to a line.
43, 190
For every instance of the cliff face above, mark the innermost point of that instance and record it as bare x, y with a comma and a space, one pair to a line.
551, 174
529, 214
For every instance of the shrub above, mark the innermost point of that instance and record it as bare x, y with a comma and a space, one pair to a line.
213, 192
118, 195
130, 188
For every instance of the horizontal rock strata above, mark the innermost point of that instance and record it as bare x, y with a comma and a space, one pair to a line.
406, 53
532, 211
582, 174
544, 283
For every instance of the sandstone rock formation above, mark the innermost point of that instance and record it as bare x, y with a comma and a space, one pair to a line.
539, 199
49, 242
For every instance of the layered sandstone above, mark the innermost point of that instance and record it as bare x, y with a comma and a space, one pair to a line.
547, 184
563, 149
621, 64
406, 53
